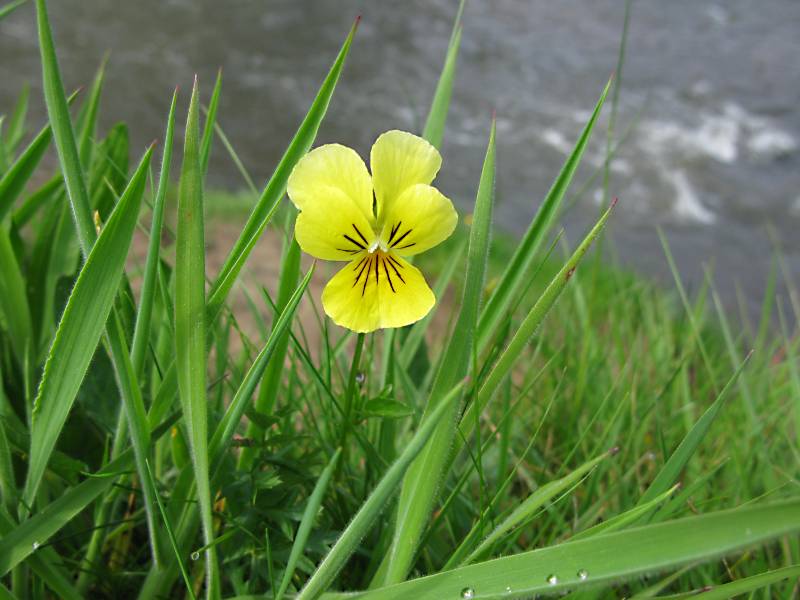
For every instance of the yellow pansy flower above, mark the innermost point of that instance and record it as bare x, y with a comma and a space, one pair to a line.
374, 223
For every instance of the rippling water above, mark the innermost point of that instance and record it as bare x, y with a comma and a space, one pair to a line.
711, 89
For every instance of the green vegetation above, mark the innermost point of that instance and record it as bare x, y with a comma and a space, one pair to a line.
555, 424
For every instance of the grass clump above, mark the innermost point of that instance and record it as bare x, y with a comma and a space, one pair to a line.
168, 432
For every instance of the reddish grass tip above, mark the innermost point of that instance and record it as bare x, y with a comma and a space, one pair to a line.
614, 451
614, 201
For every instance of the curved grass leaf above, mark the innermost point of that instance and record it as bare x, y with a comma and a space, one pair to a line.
81, 326
530, 505
273, 192
529, 325
517, 272
605, 559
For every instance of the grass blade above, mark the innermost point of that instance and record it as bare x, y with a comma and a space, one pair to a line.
517, 272
273, 192
13, 181
605, 559
531, 504
141, 333
190, 326
81, 326
237, 406
741, 586
437, 116
333, 562
58, 111
304, 530
421, 484
677, 461
208, 127
529, 325
10, 7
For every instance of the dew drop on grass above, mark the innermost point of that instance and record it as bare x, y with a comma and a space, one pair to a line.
36, 545
361, 378
583, 574
195, 555
552, 579
508, 589
467, 593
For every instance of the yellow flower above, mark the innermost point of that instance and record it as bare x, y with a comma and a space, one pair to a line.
341, 220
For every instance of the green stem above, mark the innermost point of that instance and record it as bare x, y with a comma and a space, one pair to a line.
351, 390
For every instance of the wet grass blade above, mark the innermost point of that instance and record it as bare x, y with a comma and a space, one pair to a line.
307, 522
190, 326
273, 192
347, 543
80, 328
421, 485
517, 273
605, 559
141, 334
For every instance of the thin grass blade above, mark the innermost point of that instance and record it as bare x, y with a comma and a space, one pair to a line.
347, 543
421, 484
273, 192
307, 522
517, 272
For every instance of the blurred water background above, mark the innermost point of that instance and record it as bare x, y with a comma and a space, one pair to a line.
708, 104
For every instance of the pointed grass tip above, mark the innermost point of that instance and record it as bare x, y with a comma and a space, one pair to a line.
614, 201
613, 451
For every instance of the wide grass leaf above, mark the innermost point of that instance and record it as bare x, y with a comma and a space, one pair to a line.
606, 559
190, 326
80, 328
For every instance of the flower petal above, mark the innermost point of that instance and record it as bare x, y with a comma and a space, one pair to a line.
378, 291
418, 220
340, 231
399, 160
330, 166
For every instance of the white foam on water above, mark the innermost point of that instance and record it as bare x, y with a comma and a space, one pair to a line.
714, 136
687, 205
557, 140
770, 144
